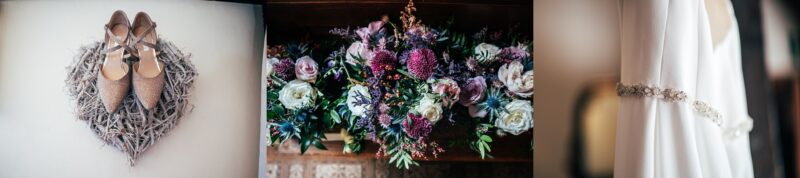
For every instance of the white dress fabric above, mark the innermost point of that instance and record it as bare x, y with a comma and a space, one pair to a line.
683, 109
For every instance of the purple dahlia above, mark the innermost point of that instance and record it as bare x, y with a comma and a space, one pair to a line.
382, 60
421, 63
284, 69
419, 127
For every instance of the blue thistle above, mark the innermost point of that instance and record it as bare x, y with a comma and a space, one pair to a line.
304, 115
395, 131
493, 103
301, 116
286, 128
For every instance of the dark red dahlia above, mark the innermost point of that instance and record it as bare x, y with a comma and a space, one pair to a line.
285, 69
421, 63
419, 126
381, 61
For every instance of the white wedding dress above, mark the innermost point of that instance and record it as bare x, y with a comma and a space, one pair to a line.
683, 110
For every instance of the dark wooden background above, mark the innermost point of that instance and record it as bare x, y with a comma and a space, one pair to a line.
292, 20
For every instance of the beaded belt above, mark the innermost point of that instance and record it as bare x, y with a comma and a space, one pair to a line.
670, 95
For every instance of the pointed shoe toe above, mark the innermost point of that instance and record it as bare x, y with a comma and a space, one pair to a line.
148, 88
113, 91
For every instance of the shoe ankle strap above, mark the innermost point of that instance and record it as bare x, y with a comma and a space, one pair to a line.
115, 38
140, 39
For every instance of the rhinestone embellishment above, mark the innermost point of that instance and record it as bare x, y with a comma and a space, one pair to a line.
670, 95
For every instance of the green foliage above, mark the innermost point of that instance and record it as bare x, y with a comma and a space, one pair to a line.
482, 143
401, 158
403, 94
297, 50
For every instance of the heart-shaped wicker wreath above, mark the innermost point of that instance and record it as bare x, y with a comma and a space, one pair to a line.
131, 129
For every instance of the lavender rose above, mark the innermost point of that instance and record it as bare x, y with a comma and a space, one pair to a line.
358, 49
473, 90
370, 30
306, 69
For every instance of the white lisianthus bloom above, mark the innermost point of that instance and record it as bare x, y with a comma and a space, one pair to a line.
430, 109
517, 82
517, 119
297, 94
358, 109
486, 52
306, 69
358, 49
268, 69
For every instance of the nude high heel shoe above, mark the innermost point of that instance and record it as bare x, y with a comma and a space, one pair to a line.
148, 73
113, 80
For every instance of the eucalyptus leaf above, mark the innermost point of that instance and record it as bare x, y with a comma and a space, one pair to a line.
486, 138
335, 116
394, 157
278, 109
481, 149
319, 145
304, 144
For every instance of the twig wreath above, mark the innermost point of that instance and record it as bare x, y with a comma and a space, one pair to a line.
131, 129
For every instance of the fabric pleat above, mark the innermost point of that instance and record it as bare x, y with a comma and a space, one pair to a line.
667, 44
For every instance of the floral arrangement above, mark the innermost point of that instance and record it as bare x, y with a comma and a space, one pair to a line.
395, 84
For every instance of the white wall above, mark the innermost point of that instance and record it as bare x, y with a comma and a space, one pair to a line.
576, 41
39, 135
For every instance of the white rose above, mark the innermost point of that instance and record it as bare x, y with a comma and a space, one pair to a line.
297, 94
268, 69
517, 119
306, 69
358, 49
430, 109
269, 65
486, 52
360, 109
518, 83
